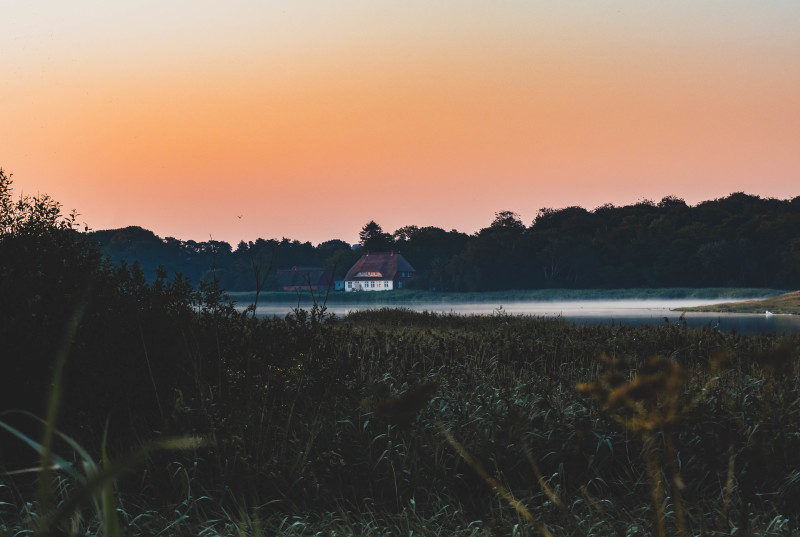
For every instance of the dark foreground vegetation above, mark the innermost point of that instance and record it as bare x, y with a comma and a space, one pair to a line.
182, 416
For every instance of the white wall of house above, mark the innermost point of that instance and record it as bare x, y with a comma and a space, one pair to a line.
371, 285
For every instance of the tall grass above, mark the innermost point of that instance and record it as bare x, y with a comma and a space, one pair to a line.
376, 423
68, 486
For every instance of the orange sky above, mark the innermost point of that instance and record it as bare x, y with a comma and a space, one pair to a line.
311, 118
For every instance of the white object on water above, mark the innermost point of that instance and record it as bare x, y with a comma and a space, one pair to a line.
768, 313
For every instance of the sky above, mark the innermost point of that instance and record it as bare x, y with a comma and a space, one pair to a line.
307, 119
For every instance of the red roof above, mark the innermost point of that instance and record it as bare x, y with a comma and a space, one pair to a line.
379, 266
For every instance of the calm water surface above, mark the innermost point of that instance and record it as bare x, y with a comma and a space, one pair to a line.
627, 312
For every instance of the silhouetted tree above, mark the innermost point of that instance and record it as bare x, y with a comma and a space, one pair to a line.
126, 344
507, 221
337, 256
404, 234
373, 238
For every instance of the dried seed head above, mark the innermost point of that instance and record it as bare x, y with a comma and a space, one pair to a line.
652, 399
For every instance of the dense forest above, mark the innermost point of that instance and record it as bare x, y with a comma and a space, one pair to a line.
737, 241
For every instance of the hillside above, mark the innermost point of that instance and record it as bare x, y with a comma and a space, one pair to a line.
785, 303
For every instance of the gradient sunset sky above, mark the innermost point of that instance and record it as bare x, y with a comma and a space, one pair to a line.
308, 119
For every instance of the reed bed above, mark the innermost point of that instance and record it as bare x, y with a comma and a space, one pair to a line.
390, 422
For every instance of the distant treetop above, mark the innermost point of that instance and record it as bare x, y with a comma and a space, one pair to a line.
373, 238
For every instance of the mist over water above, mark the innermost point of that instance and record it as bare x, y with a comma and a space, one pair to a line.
602, 312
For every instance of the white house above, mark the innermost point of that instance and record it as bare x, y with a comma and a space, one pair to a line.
378, 271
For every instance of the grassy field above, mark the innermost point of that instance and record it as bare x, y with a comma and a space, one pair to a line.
393, 422
786, 303
407, 297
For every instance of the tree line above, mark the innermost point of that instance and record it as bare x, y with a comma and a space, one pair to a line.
737, 241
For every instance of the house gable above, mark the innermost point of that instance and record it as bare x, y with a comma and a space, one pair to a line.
378, 271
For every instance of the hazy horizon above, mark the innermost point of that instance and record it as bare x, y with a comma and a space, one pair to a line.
308, 119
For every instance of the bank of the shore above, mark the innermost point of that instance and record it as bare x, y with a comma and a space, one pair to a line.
786, 303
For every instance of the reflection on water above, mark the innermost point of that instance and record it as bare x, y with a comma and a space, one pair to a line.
626, 312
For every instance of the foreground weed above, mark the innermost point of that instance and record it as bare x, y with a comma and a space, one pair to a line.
648, 405
496, 486
92, 483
